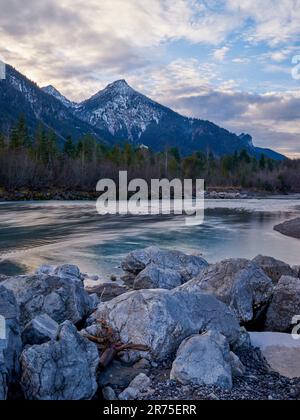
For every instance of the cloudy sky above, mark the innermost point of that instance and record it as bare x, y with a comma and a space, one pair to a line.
233, 62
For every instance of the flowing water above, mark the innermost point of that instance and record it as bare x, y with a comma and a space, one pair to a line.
35, 233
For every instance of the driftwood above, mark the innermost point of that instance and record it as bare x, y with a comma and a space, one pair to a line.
108, 345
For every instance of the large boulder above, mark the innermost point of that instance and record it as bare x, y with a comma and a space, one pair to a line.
188, 266
162, 319
140, 384
239, 283
62, 298
273, 268
40, 330
203, 360
285, 305
62, 369
10, 339
281, 351
154, 277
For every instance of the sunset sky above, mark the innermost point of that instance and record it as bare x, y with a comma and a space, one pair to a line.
228, 61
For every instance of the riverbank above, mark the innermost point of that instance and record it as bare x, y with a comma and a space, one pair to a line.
289, 228
176, 327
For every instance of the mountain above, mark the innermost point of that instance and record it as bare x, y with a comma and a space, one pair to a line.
117, 114
19, 95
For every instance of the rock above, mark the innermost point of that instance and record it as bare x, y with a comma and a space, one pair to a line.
3, 379
154, 277
107, 291
62, 369
10, 338
40, 330
68, 271
120, 374
273, 268
243, 342
296, 269
203, 360
281, 351
59, 297
109, 394
285, 305
188, 266
162, 319
239, 283
289, 228
237, 367
139, 385
45, 269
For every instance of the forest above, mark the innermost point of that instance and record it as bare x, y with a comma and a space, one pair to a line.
41, 163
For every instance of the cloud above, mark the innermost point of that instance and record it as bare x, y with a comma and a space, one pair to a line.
220, 53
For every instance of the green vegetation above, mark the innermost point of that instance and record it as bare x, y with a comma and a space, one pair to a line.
42, 163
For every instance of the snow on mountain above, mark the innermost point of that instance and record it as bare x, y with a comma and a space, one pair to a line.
54, 92
121, 110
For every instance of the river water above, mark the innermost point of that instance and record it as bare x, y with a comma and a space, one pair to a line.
35, 233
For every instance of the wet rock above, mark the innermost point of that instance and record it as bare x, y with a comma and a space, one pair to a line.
284, 306
139, 385
162, 319
289, 228
239, 283
59, 297
188, 266
203, 360
154, 277
68, 271
3, 379
40, 330
273, 268
62, 369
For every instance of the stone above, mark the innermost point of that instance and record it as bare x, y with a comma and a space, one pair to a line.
203, 360
239, 283
40, 330
237, 367
62, 369
109, 394
139, 385
273, 268
120, 374
62, 298
10, 338
154, 277
285, 305
68, 270
161, 319
296, 269
188, 266
3, 379
281, 351
107, 291
289, 228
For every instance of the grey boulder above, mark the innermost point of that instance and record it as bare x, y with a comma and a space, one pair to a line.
203, 360
239, 283
138, 386
188, 266
40, 330
162, 319
62, 369
285, 305
273, 268
62, 298
154, 277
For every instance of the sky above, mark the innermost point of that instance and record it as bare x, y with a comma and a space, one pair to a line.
233, 62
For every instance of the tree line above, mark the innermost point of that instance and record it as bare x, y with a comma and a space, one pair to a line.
43, 162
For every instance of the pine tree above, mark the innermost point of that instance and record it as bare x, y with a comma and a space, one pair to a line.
69, 149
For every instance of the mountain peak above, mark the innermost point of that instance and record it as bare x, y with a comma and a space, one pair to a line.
51, 90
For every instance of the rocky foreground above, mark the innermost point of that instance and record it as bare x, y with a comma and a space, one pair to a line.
176, 328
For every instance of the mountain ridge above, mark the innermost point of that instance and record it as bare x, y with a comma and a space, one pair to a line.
118, 114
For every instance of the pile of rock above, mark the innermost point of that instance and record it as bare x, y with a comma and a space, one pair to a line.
181, 314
